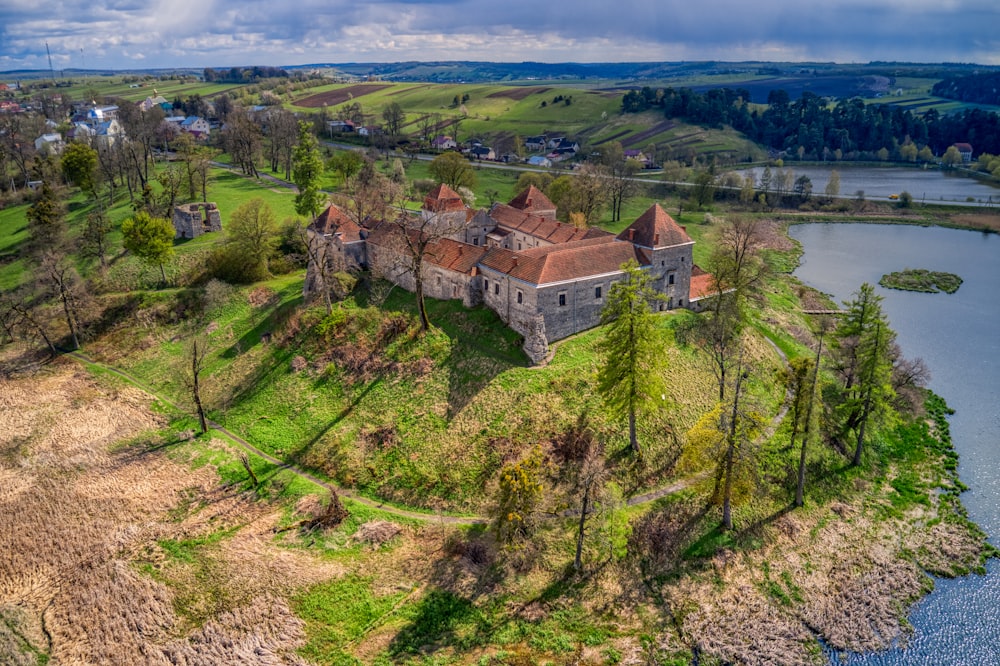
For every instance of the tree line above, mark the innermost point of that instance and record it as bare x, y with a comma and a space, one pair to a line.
243, 74
980, 88
810, 128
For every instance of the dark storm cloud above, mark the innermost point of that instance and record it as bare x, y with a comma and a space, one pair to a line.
223, 32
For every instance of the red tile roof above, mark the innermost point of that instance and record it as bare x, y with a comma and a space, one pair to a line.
533, 200
655, 228
333, 220
444, 252
443, 199
701, 284
455, 256
566, 261
544, 228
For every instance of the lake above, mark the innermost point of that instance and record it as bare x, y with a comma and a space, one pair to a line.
880, 182
958, 336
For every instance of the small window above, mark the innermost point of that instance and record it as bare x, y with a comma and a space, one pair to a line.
663, 263
486, 285
562, 299
518, 245
670, 279
496, 287
680, 303
597, 293
520, 296
475, 241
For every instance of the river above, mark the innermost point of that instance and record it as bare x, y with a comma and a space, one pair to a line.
958, 336
879, 182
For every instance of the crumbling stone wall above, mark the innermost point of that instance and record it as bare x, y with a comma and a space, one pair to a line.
194, 219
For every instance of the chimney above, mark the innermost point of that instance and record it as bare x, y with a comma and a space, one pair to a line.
656, 240
514, 260
631, 234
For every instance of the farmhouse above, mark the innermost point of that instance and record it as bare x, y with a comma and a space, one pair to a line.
546, 279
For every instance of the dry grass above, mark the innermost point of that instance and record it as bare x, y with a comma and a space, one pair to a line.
84, 578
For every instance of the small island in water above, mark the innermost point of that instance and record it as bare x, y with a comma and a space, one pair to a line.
920, 279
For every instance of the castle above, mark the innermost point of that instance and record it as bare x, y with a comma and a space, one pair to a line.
545, 279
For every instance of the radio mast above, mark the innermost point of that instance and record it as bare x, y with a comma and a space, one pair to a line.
51, 70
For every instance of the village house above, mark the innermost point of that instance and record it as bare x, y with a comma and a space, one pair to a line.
340, 125
965, 150
443, 142
195, 126
535, 143
546, 279
50, 144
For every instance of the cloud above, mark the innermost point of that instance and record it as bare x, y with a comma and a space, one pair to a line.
197, 33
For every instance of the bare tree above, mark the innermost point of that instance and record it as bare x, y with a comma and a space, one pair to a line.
58, 274
19, 316
619, 177
242, 138
282, 131
197, 354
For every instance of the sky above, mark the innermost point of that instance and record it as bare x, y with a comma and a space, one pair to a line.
130, 34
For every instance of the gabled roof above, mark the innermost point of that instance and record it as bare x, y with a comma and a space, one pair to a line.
453, 255
565, 262
444, 252
545, 228
533, 200
655, 228
443, 199
333, 220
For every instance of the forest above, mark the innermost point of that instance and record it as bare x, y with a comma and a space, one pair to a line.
808, 126
980, 88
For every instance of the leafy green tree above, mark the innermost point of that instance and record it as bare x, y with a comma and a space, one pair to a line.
79, 166
725, 438
631, 378
703, 191
346, 164
905, 199
833, 185
251, 239
46, 223
864, 361
307, 168
951, 157
149, 238
521, 491
453, 170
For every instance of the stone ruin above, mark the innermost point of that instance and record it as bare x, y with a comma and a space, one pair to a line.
194, 219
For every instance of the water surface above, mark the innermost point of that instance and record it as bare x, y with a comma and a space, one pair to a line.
958, 336
879, 182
